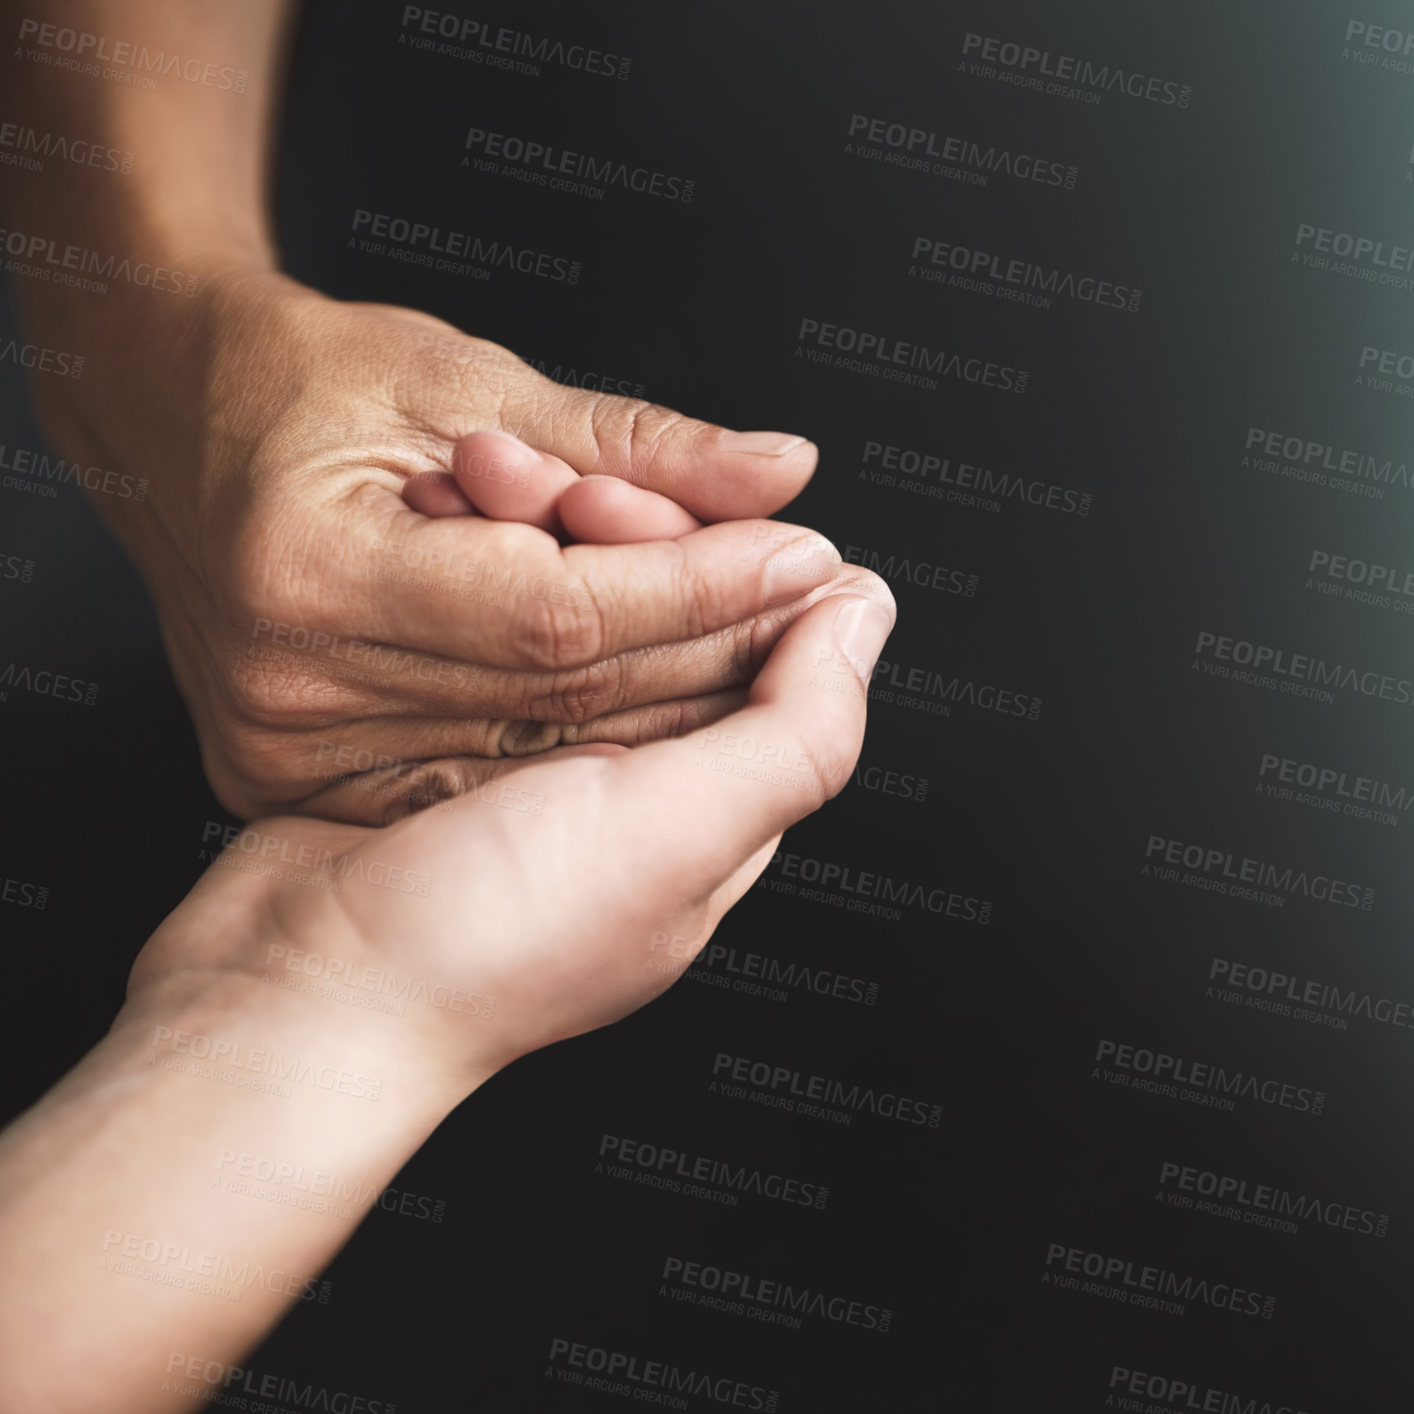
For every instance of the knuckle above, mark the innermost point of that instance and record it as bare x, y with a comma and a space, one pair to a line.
672, 719
584, 693
551, 634
633, 431
429, 784
867, 585
752, 642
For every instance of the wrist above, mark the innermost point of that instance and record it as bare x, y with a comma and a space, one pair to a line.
151, 380
253, 1015
245, 1031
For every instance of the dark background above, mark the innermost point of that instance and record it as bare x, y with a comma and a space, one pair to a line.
1146, 413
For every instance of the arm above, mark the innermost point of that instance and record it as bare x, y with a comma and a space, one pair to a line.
126, 1231
278, 429
524, 926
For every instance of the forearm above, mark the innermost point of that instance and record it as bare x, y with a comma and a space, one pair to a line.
128, 1232
125, 268
199, 148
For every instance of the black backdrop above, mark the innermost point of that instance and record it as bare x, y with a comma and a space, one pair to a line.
1122, 668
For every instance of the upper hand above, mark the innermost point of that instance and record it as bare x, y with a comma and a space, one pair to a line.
327, 636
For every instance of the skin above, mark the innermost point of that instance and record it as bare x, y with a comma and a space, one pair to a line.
124, 1155
328, 589
295, 448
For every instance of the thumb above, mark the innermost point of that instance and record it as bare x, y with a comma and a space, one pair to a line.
712, 472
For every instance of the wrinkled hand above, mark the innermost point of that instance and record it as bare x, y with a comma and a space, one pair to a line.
352, 652
558, 899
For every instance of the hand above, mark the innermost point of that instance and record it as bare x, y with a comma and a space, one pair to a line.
121, 1198
544, 905
327, 635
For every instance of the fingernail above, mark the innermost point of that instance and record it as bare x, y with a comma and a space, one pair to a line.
761, 444
797, 568
861, 627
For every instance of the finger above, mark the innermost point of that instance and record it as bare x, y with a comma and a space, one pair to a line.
714, 473
602, 510
508, 595
291, 683
436, 493
496, 475
360, 773
507, 480
382, 797
750, 776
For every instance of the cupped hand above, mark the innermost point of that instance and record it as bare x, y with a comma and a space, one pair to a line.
331, 634
561, 897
